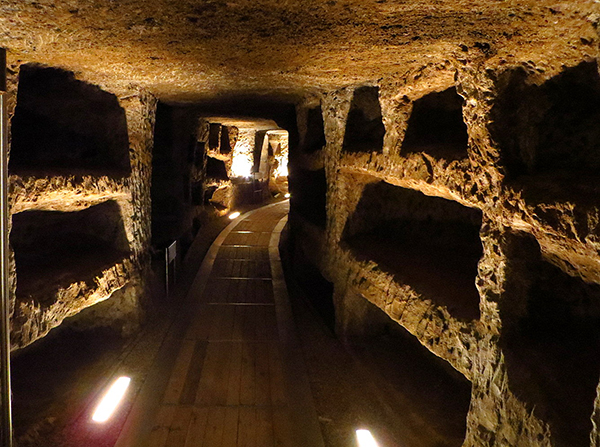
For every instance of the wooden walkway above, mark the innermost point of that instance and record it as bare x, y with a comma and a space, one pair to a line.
238, 377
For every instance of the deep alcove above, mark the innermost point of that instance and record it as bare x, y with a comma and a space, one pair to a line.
364, 127
414, 383
214, 136
309, 195
228, 139
429, 243
54, 249
548, 134
315, 132
216, 169
63, 126
436, 126
551, 341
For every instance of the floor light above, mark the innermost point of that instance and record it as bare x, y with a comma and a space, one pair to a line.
111, 400
234, 215
365, 439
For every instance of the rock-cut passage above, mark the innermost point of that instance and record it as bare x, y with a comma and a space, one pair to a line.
429, 243
309, 195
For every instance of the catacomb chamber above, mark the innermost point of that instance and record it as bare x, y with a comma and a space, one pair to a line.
431, 142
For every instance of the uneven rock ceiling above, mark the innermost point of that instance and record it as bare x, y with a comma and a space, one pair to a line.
189, 50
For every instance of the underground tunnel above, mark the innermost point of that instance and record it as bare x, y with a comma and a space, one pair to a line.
288, 223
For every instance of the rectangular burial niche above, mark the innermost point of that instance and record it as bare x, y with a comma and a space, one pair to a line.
228, 139
364, 126
427, 397
63, 126
551, 341
550, 132
314, 139
54, 249
216, 169
214, 136
436, 126
429, 243
309, 195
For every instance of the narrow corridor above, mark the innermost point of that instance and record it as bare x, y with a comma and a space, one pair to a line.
231, 383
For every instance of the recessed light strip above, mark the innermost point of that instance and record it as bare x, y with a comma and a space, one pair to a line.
111, 400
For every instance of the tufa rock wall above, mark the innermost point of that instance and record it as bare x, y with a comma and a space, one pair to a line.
462, 199
80, 201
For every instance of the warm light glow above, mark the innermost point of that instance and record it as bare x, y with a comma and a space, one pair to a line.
282, 169
242, 165
287, 195
365, 439
111, 400
234, 215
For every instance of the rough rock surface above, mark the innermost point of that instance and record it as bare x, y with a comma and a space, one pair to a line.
527, 164
187, 50
536, 277
34, 190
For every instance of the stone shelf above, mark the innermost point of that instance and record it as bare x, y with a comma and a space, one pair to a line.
55, 249
64, 192
440, 178
429, 243
439, 331
550, 340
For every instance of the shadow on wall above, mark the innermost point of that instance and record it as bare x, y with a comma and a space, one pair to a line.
315, 131
551, 340
549, 133
55, 249
309, 195
62, 125
429, 243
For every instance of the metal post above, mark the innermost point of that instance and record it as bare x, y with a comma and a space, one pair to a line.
167, 279
4, 264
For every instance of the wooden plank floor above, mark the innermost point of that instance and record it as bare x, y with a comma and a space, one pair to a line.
227, 386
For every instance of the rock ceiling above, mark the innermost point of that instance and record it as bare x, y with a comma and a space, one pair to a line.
194, 49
